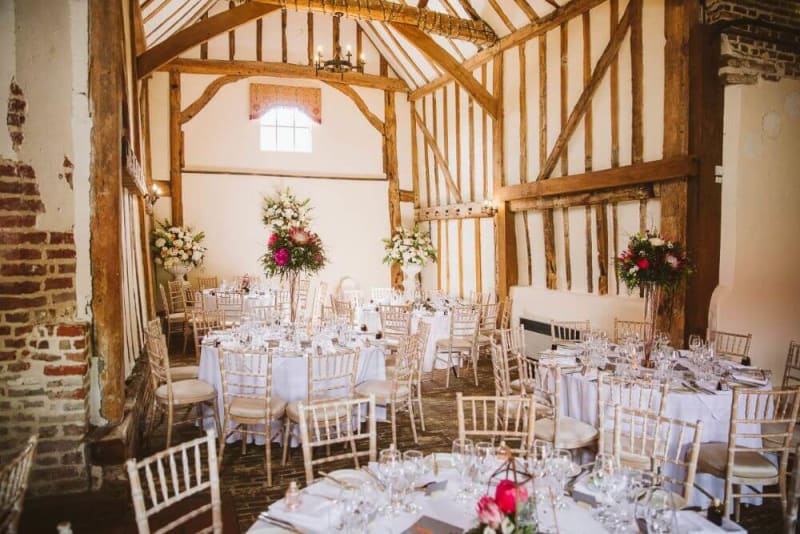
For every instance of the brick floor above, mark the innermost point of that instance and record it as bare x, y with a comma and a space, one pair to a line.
244, 477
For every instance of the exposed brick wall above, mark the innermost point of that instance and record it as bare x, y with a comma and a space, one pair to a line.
752, 51
15, 117
44, 353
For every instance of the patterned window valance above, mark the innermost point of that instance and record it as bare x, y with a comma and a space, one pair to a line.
264, 97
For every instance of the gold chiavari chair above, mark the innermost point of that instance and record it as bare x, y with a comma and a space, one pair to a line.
353, 296
381, 294
178, 372
639, 394
624, 328
566, 332
170, 393
265, 315
791, 372
231, 304
730, 345
283, 302
323, 424
395, 324
397, 391
562, 431
175, 313
172, 476
423, 335
461, 344
13, 484
660, 440
206, 282
500, 371
202, 322
301, 297
511, 420
481, 298
330, 377
505, 313
511, 356
343, 309
318, 308
762, 423
249, 401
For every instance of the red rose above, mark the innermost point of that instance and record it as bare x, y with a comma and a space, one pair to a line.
272, 239
643, 263
508, 494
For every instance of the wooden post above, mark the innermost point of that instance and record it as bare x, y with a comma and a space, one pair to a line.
175, 147
674, 194
284, 46
106, 91
390, 168
144, 218
310, 37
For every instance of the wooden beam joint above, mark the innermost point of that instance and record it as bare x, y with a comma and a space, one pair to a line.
464, 210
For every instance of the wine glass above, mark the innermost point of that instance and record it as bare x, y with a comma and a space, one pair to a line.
463, 460
413, 468
602, 478
559, 467
484, 462
390, 474
695, 342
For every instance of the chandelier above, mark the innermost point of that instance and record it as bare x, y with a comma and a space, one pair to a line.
338, 64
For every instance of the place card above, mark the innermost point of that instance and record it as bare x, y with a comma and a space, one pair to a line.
429, 525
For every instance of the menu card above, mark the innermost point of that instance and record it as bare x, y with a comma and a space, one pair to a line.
429, 525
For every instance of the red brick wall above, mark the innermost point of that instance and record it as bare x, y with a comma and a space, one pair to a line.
44, 352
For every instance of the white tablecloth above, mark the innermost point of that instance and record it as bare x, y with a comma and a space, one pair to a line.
250, 300
289, 377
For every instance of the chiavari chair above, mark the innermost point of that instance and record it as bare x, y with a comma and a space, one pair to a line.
487, 327
231, 304
204, 321
248, 398
331, 376
500, 371
206, 282
283, 302
13, 484
353, 296
397, 391
730, 345
624, 329
562, 431
791, 372
175, 313
566, 332
505, 313
509, 420
481, 298
178, 372
639, 394
334, 422
301, 297
343, 309
318, 308
461, 343
395, 324
659, 439
381, 294
762, 423
423, 336
170, 393
265, 315
172, 476
790, 518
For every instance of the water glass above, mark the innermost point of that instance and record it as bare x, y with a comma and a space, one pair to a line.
463, 460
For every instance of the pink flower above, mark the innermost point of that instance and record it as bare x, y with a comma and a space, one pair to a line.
672, 261
489, 513
281, 257
508, 494
272, 239
643, 263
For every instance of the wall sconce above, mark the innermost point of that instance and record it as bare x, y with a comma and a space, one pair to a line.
151, 198
488, 208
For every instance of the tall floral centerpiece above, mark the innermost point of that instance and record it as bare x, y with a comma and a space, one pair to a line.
292, 248
177, 249
410, 249
657, 266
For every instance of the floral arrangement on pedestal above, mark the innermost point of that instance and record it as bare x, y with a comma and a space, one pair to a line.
657, 266
177, 248
499, 514
292, 248
410, 249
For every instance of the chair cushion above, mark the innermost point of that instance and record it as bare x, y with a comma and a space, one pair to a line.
747, 464
382, 389
459, 343
187, 391
256, 408
573, 434
293, 412
183, 372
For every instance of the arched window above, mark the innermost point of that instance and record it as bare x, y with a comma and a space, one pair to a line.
285, 129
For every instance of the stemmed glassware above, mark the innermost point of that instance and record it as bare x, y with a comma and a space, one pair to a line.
559, 466
464, 461
390, 472
413, 469
484, 463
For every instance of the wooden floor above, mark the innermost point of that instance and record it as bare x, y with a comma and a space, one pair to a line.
244, 477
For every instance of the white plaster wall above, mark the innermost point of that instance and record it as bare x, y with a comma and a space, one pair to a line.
759, 279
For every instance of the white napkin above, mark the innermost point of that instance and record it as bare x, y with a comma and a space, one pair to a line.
749, 379
314, 512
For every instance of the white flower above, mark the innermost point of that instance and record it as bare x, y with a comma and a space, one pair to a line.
177, 243
506, 526
197, 256
656, 241
160, 242
489, 530
633, 269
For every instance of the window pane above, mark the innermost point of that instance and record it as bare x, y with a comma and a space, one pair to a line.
268, 138
302, 139
285, 139
269, 118
301, 119
285, 116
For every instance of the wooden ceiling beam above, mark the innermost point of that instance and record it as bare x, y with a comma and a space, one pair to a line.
282, 70
212, 89
198, 33
541, 26
425, 20
438, 55
635, 174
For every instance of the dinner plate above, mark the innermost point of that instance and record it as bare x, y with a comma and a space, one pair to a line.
352, 477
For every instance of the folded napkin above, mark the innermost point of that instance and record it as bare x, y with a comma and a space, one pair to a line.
749, 379
316, 511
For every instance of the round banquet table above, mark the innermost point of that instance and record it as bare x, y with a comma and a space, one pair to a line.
289, 380
579, 401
